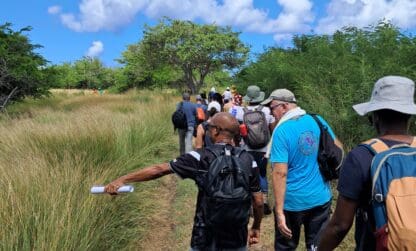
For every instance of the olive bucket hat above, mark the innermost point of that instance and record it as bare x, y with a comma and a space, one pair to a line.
254, 95
391, 92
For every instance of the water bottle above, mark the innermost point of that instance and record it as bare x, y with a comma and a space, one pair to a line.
243, 130
122, 189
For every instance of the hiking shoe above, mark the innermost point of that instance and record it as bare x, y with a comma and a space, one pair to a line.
266, 209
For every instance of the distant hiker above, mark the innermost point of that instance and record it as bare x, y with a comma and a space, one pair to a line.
257, 120
236, 109
233, 91
217, 97
302, 195
227, 105
387, 161
202, 138
204, 98
227, 94
227, 178
211, 94
201, 110
185, 134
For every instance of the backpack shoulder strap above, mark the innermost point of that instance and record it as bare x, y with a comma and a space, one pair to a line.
245, 110
318, 121
216, 152
259, 108
376, 145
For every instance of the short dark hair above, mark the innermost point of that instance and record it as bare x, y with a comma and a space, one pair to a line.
186, 96
391, 117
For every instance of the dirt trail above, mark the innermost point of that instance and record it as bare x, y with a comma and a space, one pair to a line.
159, 237
172, 223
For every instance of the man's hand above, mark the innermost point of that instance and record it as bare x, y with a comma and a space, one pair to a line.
281, 225
253, 236
112, 187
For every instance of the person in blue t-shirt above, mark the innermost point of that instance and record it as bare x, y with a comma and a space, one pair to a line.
302, 196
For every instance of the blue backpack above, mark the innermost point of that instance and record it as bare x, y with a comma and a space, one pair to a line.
393, 197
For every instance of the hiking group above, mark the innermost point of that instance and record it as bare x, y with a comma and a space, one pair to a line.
235, 143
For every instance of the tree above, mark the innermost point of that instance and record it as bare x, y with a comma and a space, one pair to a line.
184, 47
20, 66
90, 73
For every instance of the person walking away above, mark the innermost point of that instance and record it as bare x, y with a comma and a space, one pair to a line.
186, 134
217, 225
227, 94
258, 128
227, 105
211, 93
201, 111
202, 137
390, 107
301, 193
236, 109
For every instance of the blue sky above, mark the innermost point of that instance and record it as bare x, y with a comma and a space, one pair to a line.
69, 30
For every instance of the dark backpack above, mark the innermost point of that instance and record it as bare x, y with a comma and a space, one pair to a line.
226, 188
330, 156
258, 134
179, 118
393, 194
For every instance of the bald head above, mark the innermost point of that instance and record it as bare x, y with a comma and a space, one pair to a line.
227, 123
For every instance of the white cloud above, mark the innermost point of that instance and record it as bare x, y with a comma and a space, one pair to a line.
362, 13
56, 9
96, 15
294, 16
95, 49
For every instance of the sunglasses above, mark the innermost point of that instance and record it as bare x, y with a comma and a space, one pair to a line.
272, 107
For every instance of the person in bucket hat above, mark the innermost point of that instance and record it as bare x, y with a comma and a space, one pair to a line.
253, 98
302, 195
390, 107
253, 95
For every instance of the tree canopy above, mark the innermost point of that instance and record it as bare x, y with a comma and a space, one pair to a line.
330, 73
183, 51
21, 68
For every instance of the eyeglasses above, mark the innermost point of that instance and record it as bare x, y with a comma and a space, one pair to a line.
214, 126
272, 107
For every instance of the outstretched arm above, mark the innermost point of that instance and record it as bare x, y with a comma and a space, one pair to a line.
148, 173
339, 225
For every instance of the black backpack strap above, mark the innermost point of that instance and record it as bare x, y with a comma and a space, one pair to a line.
318, 121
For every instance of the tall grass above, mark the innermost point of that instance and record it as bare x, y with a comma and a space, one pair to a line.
53, 151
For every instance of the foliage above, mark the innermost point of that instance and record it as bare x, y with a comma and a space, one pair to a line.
53, 152
86, 73
331, 73
20, 66
175, 46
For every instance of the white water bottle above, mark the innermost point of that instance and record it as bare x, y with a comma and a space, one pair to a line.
122, 189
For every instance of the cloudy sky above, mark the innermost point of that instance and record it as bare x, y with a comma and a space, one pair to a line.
69, 30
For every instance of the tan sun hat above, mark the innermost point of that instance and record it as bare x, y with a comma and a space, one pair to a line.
282, 95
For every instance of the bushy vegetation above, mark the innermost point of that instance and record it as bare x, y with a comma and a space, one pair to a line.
53, 152
329, 74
